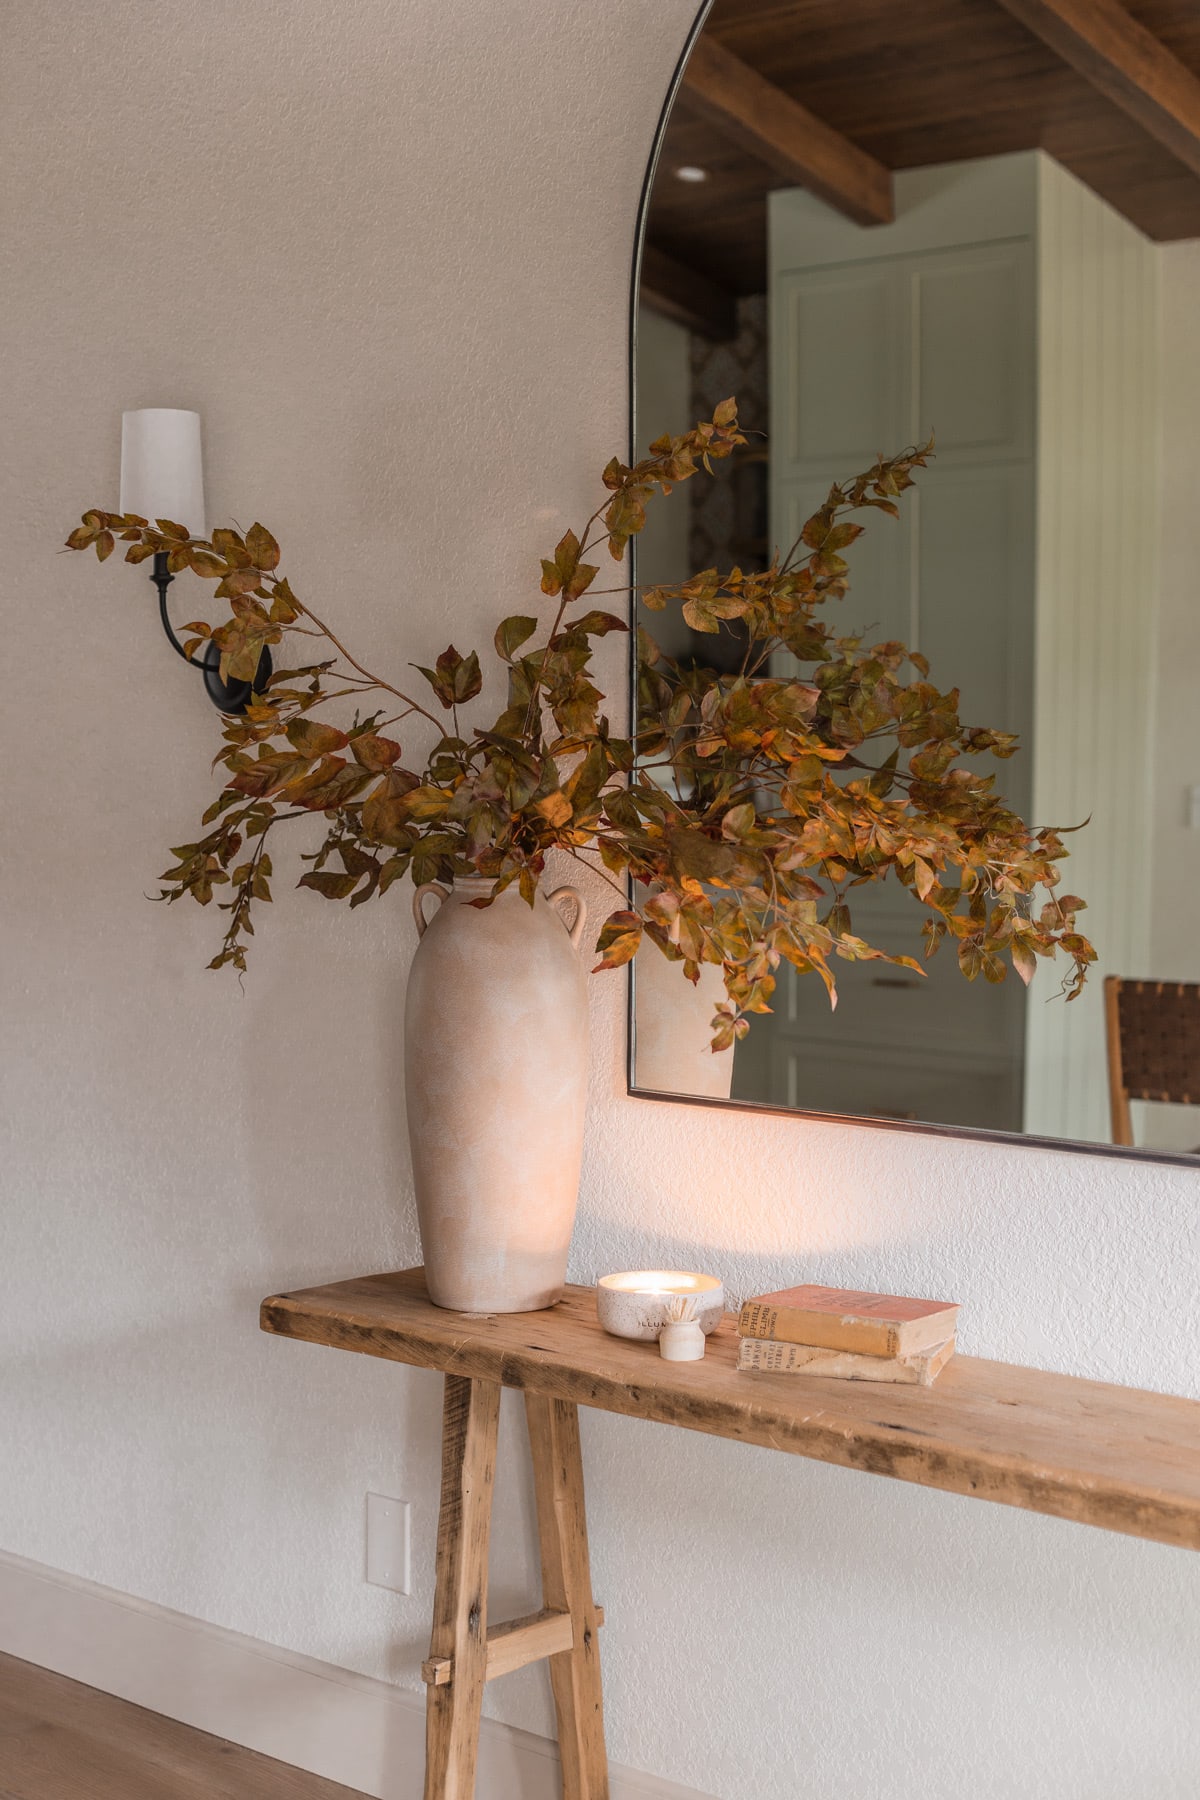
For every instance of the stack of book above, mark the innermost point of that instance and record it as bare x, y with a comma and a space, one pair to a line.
840, 1331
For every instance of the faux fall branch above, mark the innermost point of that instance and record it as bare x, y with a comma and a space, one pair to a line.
746, 808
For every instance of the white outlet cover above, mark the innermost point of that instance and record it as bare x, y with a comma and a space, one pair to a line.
389, 1543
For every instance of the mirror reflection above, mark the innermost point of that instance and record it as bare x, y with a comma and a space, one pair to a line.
872, 229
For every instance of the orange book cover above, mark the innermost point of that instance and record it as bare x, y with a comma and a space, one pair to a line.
849, 1319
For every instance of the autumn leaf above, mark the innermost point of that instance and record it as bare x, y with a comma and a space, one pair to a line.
262, 548
374, 752
924, 878
426, 803
745, 807
597, 624
624, 519
561, 573
456, 678
739, 820
619, 938
706, 612
238, 582
284, 606
313, 739
555, 808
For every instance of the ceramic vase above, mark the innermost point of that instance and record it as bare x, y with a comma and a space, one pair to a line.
495, 1035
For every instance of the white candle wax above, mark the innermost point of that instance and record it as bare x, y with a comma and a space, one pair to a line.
636, 1303
162, 474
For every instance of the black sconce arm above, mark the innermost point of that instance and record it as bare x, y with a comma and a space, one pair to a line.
229, 696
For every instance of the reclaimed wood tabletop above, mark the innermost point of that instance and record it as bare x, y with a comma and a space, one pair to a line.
1089, 1451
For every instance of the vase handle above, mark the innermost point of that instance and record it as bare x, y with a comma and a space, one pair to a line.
428, 887
574, 931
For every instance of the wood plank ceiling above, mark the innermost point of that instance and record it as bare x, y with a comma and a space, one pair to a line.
907, 86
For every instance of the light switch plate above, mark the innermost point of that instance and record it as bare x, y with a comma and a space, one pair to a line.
389, 1551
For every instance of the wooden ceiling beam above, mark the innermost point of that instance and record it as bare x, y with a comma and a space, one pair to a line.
685, 295
763, 119
1106, 45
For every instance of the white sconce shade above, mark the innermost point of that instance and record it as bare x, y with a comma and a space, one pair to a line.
162, 476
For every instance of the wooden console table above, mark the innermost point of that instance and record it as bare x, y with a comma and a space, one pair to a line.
1082, 1450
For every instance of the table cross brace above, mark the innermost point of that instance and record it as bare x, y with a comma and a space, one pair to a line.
464, 1653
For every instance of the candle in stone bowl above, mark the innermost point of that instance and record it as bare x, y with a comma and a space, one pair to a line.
637, 1303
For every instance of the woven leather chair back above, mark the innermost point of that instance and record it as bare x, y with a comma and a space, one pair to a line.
1153, 1030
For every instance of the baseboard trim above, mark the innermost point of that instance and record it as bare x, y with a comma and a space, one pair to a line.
328, 1721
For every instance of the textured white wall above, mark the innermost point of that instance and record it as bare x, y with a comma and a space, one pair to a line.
384, 249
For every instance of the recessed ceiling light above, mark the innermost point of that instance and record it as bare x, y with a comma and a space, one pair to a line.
689, 172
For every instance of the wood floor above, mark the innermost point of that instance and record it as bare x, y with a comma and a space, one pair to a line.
60, 1740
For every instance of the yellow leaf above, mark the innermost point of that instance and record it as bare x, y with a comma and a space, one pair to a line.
555, 808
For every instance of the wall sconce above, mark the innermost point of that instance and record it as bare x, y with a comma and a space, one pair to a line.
162, 477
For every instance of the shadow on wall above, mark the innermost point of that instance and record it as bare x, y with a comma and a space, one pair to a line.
744, 1272
330, 1181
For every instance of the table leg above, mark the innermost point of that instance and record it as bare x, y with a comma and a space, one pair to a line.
567, 1587
469, 1424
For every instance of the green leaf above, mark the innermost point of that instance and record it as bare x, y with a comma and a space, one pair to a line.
511, 633
391, 870
327, 882
467, 678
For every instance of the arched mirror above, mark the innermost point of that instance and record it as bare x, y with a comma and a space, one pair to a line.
972, 221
